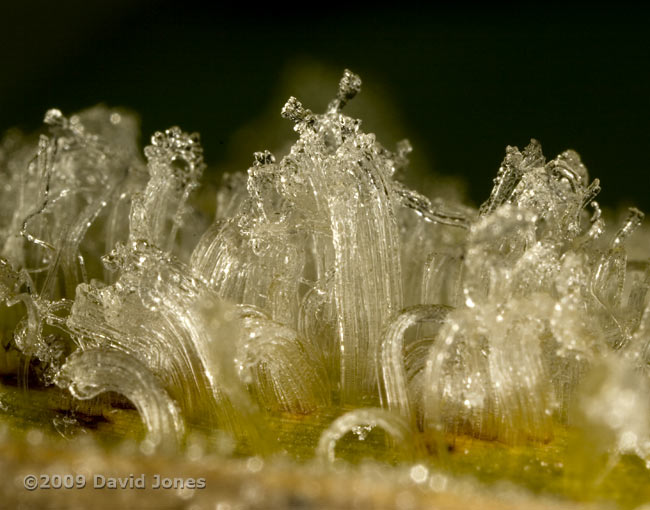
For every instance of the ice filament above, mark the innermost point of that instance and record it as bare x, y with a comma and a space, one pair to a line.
89, 373
323, 282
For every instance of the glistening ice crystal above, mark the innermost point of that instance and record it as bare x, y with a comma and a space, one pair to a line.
325, 287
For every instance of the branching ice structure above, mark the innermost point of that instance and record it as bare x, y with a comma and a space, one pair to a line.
323, 282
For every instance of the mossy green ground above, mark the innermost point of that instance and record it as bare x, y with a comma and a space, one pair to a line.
567, 467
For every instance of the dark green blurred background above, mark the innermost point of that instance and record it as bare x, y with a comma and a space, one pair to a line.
460, 82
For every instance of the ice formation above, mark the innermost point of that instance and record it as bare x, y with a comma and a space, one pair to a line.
323, 282
91, 372
360, 422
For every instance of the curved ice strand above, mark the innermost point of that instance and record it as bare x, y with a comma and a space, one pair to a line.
607, 285
213, 333
175, 163
639, 274
394, 425
425, 208
520, 384
631, 223
505, 182
608, 282
28, 336
280, 367
485, 376
393, 371
117, 223
415, 362
342, 178
513, 168
9, 280
596, 229
199, 327
89, 373
442, 279
167, 319
495, 243
31, 198
349, 86
43, 162
315, 323
222, 260
609, 277
331, 207
257, 256
74, 175
67, 252
456, 390
638, 349
365, 272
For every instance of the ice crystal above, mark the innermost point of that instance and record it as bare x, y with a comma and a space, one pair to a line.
92, 372
360, 422
324, 282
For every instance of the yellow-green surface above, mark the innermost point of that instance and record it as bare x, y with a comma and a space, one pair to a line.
566, 468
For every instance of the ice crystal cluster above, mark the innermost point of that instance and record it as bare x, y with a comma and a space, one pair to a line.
323, 282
